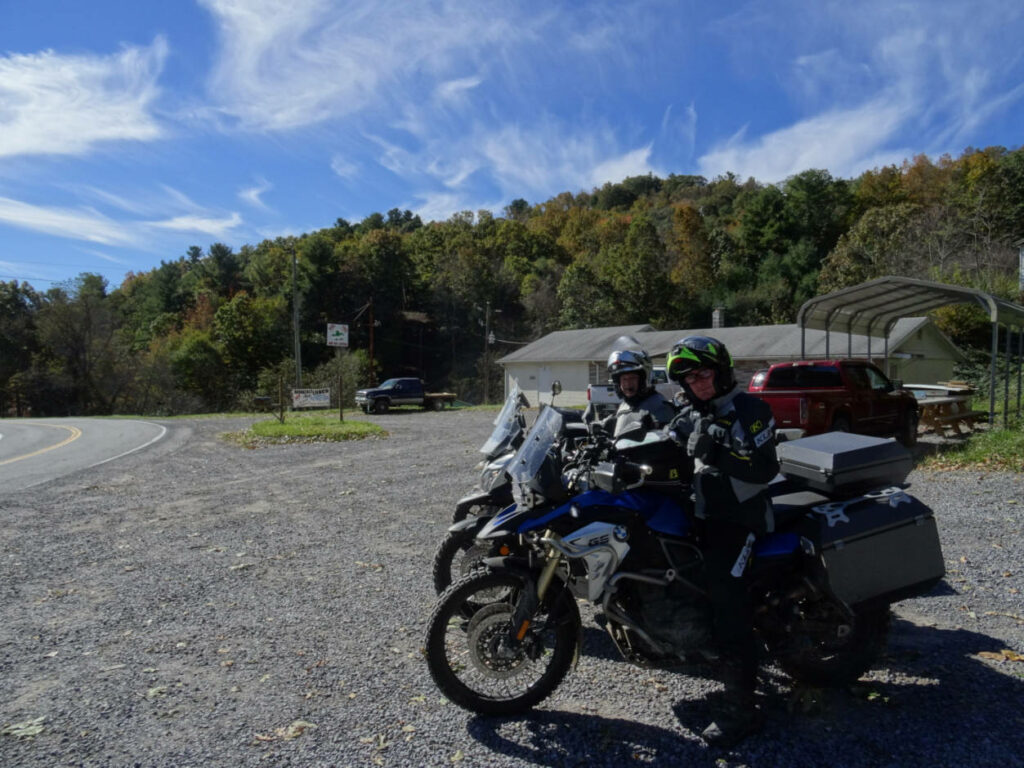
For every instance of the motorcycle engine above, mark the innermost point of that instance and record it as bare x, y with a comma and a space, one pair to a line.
675, 616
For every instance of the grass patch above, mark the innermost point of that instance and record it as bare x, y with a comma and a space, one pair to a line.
997, 449
305, 427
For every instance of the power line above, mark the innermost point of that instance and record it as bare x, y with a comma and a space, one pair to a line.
33, 279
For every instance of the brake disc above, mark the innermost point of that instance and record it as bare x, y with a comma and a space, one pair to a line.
486, 633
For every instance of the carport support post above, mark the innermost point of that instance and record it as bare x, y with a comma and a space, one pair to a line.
1006, 383
992, 375
1020, 360
341, 399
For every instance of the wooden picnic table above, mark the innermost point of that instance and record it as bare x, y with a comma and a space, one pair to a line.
948, 411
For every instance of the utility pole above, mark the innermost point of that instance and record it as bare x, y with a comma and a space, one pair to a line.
295, 320
487, 333
373, 373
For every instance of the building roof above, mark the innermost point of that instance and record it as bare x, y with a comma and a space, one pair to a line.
757, 342
582, 344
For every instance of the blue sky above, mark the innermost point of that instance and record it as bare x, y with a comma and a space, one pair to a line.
130, 131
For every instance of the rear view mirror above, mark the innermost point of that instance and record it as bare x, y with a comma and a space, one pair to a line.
556, 387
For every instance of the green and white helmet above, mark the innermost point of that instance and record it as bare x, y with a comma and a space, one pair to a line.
696, 352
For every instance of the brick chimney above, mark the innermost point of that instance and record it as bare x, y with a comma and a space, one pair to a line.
718, 317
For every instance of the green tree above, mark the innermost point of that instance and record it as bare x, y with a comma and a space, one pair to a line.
80, 345
19, 304
200, 370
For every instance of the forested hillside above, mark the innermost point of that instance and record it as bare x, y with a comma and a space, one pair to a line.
210, 329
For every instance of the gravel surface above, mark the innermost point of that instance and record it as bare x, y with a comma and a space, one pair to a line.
200, 604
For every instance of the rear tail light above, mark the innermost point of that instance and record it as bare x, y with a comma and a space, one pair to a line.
588, 394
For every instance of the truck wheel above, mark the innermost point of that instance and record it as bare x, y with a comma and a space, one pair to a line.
380, 406
841, 424
908, 432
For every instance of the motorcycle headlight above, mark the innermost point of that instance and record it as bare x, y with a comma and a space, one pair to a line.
493, 475
524, 496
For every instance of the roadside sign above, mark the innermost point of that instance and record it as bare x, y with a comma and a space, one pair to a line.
337, 335
311, 398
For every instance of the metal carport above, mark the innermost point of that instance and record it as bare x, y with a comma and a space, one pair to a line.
872, 308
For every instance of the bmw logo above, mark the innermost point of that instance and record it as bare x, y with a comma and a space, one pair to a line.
621, 533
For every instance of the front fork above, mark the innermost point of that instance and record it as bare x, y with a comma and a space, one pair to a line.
531, 600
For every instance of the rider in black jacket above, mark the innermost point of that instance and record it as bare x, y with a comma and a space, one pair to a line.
731, 439
630, 369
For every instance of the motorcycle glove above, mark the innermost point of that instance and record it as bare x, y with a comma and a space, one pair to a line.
719, 434
680, 428
701, 445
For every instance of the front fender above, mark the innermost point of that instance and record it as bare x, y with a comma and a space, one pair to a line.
464, 505
470, 524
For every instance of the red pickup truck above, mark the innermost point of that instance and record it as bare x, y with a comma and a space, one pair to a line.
837, 396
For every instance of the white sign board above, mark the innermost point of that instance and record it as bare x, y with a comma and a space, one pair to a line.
337, 335
311, 398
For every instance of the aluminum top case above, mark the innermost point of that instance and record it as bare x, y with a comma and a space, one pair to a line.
843, 463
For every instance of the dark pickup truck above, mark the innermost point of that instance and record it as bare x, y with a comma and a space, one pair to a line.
837, 396
401, 392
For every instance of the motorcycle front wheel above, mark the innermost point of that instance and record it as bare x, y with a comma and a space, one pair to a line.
458, 556
829, 650
472, 653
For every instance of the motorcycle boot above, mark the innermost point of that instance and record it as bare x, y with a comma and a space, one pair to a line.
735, 718
735, 714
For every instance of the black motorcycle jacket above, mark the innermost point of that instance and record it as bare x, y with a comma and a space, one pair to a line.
651, 403
733, 482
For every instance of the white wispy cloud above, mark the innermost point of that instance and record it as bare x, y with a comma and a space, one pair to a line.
839, 141
632, 163
440, 206
221, 228
896, 79
456, 90
551, 156
66, 104
282, 66
344, 168
76, 224
253, 195
106, 257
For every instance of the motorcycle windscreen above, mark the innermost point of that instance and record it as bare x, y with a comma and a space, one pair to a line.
506, 424
531, 453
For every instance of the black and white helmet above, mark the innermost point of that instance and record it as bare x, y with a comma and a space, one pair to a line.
629, 357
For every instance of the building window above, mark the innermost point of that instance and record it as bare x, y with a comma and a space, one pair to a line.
598, 373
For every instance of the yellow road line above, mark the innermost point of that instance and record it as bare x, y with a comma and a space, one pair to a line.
75, 434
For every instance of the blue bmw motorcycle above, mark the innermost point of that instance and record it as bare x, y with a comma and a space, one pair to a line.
502, 638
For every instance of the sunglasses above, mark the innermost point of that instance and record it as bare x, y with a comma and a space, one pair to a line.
702, 375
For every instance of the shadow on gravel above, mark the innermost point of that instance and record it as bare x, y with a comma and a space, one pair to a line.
570, 739
931, 701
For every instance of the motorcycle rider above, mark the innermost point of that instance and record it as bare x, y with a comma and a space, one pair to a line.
630, 370
731, 439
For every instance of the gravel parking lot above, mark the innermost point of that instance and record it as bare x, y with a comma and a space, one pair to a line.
199, 604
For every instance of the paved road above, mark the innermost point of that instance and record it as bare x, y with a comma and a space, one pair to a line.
34, 451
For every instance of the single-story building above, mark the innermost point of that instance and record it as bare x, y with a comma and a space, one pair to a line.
918, 352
